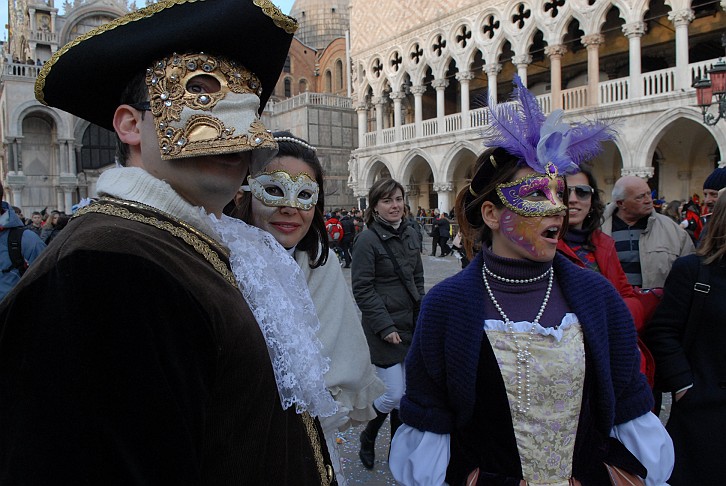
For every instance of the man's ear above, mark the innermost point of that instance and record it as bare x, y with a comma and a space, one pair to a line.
126, 123
490, 214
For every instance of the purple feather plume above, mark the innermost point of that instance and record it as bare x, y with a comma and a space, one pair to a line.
524, 131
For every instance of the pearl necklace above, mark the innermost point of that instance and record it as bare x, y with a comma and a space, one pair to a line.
523, 356
514, 280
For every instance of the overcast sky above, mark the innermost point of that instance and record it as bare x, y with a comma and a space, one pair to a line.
285, 6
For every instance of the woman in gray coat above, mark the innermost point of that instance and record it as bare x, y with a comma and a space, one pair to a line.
388, 283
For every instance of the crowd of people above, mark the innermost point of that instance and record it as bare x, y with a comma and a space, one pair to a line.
207, 334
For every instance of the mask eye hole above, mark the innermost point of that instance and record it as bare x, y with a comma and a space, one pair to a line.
274, 191
203, 83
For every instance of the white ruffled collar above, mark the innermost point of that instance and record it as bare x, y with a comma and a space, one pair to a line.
135, 184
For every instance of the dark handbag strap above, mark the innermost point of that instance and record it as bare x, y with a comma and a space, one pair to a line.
397, 267
701, 289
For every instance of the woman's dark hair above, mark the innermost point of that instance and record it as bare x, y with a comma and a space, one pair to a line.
315, 241
493, 167
380, 189
713, 246
594, 219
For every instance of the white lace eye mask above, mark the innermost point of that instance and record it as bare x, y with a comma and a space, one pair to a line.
281, 189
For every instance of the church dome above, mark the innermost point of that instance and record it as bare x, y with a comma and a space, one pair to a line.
321, 21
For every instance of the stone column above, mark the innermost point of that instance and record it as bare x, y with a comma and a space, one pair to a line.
555, 54
464, 77
418, 91
16, 189
681, 19
397, 96
685, 177
52, 21
592, 43
18, 156
68, 197
362, 110
378, 102
522, 62
634, 31
31, 14
444, 190
492, 71
440, 85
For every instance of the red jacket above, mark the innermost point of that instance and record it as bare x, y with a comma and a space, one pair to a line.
610, 268
609, 265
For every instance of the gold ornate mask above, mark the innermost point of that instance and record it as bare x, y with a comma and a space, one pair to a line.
535, 194
206, 105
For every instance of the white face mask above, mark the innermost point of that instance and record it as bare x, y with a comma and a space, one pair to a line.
280, 189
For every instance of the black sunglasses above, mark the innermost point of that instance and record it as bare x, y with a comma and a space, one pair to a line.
583, 193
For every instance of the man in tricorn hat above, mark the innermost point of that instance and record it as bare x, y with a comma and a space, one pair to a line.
153, 369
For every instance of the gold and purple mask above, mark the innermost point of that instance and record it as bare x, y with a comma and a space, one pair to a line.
280, 189
535, 194
206, 105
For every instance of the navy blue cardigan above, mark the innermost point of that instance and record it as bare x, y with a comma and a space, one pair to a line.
442, 362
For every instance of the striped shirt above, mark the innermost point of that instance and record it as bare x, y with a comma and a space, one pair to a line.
627, 245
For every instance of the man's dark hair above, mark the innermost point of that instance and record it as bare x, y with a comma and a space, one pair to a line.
36, 212
135, 92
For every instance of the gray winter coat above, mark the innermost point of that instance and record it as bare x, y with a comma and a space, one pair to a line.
384, 301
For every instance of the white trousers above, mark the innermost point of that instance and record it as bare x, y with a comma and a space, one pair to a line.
394, 378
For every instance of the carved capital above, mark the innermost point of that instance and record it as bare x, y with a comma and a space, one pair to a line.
681, 17
557, 50
634, 29
418, 89
642, 172
492, 69
522, 59
440, 83
593, 40
361, 107
397, 95
464, 76
443, 186
379, 100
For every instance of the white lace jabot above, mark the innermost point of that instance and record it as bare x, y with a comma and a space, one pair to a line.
275, 289
269, 279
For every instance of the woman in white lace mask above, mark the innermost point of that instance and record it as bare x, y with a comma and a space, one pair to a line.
285, 198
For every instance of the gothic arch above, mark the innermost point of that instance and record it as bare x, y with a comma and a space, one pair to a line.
369, 172
87, 11
453, 154
654, 131
32, 107
409, 158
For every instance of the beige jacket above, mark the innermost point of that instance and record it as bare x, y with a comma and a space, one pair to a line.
660, 244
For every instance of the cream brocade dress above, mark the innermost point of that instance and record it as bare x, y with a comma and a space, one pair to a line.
546, 433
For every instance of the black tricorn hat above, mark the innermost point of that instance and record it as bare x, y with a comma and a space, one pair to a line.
87, 76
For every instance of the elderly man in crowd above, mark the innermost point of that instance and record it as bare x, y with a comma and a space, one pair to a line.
647, 242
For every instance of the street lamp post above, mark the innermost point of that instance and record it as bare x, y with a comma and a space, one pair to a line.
712, 91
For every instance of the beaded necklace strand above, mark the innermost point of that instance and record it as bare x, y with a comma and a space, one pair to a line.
523, 356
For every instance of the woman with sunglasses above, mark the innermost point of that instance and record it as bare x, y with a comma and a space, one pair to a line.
588, 247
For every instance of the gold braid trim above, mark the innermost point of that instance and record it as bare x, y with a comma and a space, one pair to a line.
285, 22
201, 243
325, 470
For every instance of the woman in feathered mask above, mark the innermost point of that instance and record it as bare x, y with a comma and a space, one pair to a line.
524, 368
